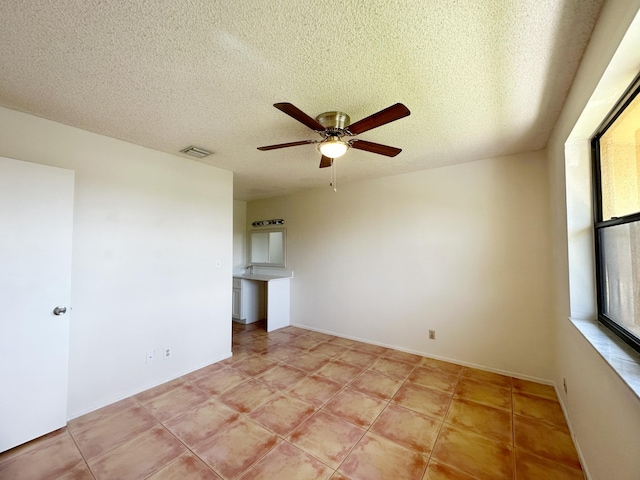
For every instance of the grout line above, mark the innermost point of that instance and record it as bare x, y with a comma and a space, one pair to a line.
86, 462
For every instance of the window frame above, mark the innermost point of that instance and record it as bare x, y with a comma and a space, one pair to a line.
598, 224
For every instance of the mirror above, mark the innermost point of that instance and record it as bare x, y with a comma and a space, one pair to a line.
267, 247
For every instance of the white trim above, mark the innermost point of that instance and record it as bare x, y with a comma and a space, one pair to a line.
435, 357
581, 457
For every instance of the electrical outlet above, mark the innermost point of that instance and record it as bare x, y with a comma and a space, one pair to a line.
151, 355
432, 334
564, 385
167, 353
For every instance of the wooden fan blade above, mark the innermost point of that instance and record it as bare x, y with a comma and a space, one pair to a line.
375, 148
389, 114
300, 116
326, 162
284, 145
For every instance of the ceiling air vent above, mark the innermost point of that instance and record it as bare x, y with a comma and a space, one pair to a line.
196, 152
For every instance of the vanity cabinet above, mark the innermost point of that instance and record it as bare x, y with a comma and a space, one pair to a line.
259, 297
245, 307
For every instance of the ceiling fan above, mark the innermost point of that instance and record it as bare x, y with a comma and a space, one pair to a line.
335, 126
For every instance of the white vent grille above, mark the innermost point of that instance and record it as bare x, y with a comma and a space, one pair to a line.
196, 152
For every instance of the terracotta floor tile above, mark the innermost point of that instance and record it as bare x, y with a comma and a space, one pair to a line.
345, 342
339, 372
248, 396
487, 377
30, 446
432, 378
98, 416
282, 414
280, 353
293, 330
407, 428
533, 388
376, 384
485, 393
304, 342
282, 377
307, 362
339, 476
260, 346
107, 432
357, 358
370, 348
328, 349
46, 459
473, 454
140, 457
355, 407
281, 337
201, 422
545, 440
236, 357
236, 423
445, 367
392, 368
255, 336
220, 381
530, 467
489, 422
254, 365
436, 471
314, 390
539, 408
403, 356
236, 447
326, 437
423, 400
174, 402
287, 462
79, 472
377, 457
188, 467
319, 336
203, 372
152, 393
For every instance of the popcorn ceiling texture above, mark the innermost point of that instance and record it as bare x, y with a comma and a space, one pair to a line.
481, 78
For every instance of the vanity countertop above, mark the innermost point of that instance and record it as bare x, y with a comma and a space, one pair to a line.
261, 277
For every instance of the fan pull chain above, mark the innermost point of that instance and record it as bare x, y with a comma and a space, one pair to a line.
334, 176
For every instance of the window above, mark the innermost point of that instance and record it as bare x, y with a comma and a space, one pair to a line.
616, 185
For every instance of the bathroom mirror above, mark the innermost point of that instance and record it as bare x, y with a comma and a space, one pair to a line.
267, 247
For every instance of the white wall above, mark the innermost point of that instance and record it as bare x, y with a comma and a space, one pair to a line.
239, 234
603, 412
462, 250
148, 230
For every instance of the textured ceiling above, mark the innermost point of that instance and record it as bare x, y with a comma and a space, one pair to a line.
481, 78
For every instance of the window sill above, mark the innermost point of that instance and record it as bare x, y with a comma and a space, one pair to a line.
621, 357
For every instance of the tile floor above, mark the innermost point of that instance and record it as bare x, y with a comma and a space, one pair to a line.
296, 404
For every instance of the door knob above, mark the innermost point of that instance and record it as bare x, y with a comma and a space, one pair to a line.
60, 310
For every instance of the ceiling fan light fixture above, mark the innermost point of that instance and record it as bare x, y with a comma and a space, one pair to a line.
333, 147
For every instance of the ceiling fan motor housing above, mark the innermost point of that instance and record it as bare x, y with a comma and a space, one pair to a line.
333, 120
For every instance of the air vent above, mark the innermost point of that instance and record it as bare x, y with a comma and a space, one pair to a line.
196, 152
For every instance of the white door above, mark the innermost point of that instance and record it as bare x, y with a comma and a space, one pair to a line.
36, 216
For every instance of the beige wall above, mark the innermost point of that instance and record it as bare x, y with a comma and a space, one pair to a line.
462, 250
603, 412
148, 231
